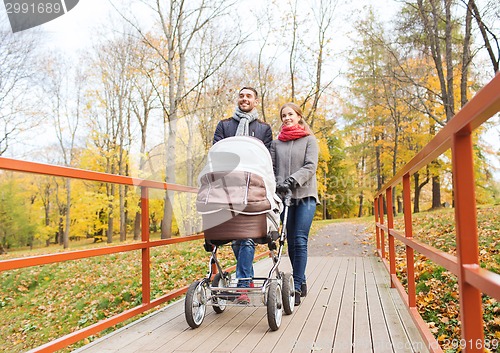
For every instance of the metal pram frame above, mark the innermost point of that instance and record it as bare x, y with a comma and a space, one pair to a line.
219, 290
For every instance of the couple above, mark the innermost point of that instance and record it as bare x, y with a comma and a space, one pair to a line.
295, 158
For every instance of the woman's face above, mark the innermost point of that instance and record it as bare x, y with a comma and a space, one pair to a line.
289, 117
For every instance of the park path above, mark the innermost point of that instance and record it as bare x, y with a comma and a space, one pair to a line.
341, 239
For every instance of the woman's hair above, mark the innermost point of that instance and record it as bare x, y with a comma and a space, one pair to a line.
297, 110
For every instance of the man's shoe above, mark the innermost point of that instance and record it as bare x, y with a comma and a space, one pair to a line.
243, 299
303, 289
297, 298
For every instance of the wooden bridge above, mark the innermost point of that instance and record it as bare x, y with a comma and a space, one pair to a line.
350, 307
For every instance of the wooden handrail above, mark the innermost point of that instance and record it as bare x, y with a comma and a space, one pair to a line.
75, 173
144, 245
472, 279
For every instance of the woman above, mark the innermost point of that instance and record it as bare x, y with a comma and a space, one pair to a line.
295, 159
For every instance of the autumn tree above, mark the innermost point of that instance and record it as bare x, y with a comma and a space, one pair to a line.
486, 19
111, 118
143, 103
365, 107
17, 79
16, 227
181, 26
65, 97
442, 32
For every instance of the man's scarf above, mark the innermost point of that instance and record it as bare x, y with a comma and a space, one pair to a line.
244, 120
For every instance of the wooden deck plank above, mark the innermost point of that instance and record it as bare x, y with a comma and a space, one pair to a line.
289, 339
254, 327
349, 301
343, 335
361, 311
159, 322
400, 339
308, 335
288, 330
166, 340
378, 325
225, 333
326, 334
192, 338
413, 333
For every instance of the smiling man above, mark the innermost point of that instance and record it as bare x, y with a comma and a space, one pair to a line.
244, 122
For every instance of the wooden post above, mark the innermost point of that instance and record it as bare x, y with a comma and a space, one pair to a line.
410, 259
390, 225
146, 275
471, 311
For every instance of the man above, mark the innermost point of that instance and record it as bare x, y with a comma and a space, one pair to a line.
244, 122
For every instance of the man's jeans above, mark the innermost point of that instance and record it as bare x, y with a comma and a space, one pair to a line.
244, 251
300, 216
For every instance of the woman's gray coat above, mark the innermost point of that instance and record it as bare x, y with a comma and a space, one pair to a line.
297, 159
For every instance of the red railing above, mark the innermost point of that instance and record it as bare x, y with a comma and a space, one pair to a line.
144, 245
472, 279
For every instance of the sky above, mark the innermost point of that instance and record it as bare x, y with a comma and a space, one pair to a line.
76, 29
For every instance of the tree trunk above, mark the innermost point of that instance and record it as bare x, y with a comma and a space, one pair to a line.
166, 223
60, 233
436, 192
466, 55
484, 33
378, 163
418, 188
123, 214
68, 216
47, 217
137, 225
360, 208
109, 232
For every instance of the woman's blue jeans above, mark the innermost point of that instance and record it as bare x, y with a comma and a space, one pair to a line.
244, 251
300, 216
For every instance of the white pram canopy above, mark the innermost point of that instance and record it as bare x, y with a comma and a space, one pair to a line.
239, 177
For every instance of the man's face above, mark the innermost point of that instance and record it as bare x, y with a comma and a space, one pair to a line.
247, 100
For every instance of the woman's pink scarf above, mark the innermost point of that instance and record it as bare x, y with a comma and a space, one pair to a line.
294, 132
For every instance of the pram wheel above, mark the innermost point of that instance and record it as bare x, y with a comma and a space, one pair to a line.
220, 280
274, 306
288, 293
195, 304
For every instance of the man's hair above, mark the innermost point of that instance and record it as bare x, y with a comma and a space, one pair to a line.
251, 89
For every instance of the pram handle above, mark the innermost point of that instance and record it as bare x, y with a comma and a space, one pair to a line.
286, 197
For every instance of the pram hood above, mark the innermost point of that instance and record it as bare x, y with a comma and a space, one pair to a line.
238, 179
241, 153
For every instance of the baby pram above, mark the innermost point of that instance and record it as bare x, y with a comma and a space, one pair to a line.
237, 200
